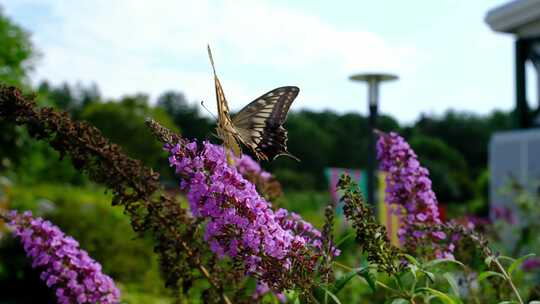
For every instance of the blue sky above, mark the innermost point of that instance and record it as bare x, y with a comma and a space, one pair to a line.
445, 54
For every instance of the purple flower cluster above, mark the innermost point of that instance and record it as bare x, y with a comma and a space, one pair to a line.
531, 264
294, 222
472, 222
504, 213
247, 165
263, 289
408, 189
240, 223
76, 277
265, 183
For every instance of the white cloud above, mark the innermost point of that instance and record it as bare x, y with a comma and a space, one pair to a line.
128, 46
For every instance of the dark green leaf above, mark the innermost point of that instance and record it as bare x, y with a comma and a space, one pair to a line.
362, 272
333, 296
441, 295
452, 281
345, 238
439, 261
518, 263
429, 274
342, 281
486, 274
411, 259
369, 277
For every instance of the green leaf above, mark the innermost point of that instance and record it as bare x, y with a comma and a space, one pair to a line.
508, 302
413, 269
506, 258
518, 263
345, 238
452, 282
319, 293
369, 277
249, 286
439, 261
410, 258
342, 281
333, 296
292, 296
364, 262
534, 302
400, 301
362, 272
441, 295
429, 274
486, 274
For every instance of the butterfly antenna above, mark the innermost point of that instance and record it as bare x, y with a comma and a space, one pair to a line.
202, 104
211, 59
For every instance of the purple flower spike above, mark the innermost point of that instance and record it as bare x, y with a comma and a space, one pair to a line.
76, 277
408, 188
239, 222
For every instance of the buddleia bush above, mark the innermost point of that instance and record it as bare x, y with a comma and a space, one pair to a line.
231, 243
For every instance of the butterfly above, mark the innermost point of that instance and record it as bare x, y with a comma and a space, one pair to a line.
259, 125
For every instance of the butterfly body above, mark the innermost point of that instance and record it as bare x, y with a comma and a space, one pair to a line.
259, 125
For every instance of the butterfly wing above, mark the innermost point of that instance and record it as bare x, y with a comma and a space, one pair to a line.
260, 123
222, 106
225, 129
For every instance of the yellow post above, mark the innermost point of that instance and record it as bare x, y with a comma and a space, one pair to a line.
386, 216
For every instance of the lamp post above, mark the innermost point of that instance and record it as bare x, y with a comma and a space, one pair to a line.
373, 80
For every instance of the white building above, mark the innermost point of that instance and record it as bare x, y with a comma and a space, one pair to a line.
515, 155
521, 18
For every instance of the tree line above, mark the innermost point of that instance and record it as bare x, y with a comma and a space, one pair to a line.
453, 146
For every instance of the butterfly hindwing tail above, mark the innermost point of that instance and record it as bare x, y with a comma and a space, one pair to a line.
274, 143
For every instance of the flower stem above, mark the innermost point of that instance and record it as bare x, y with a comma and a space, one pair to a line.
397, 292
196, 261
343, 266
508, 279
